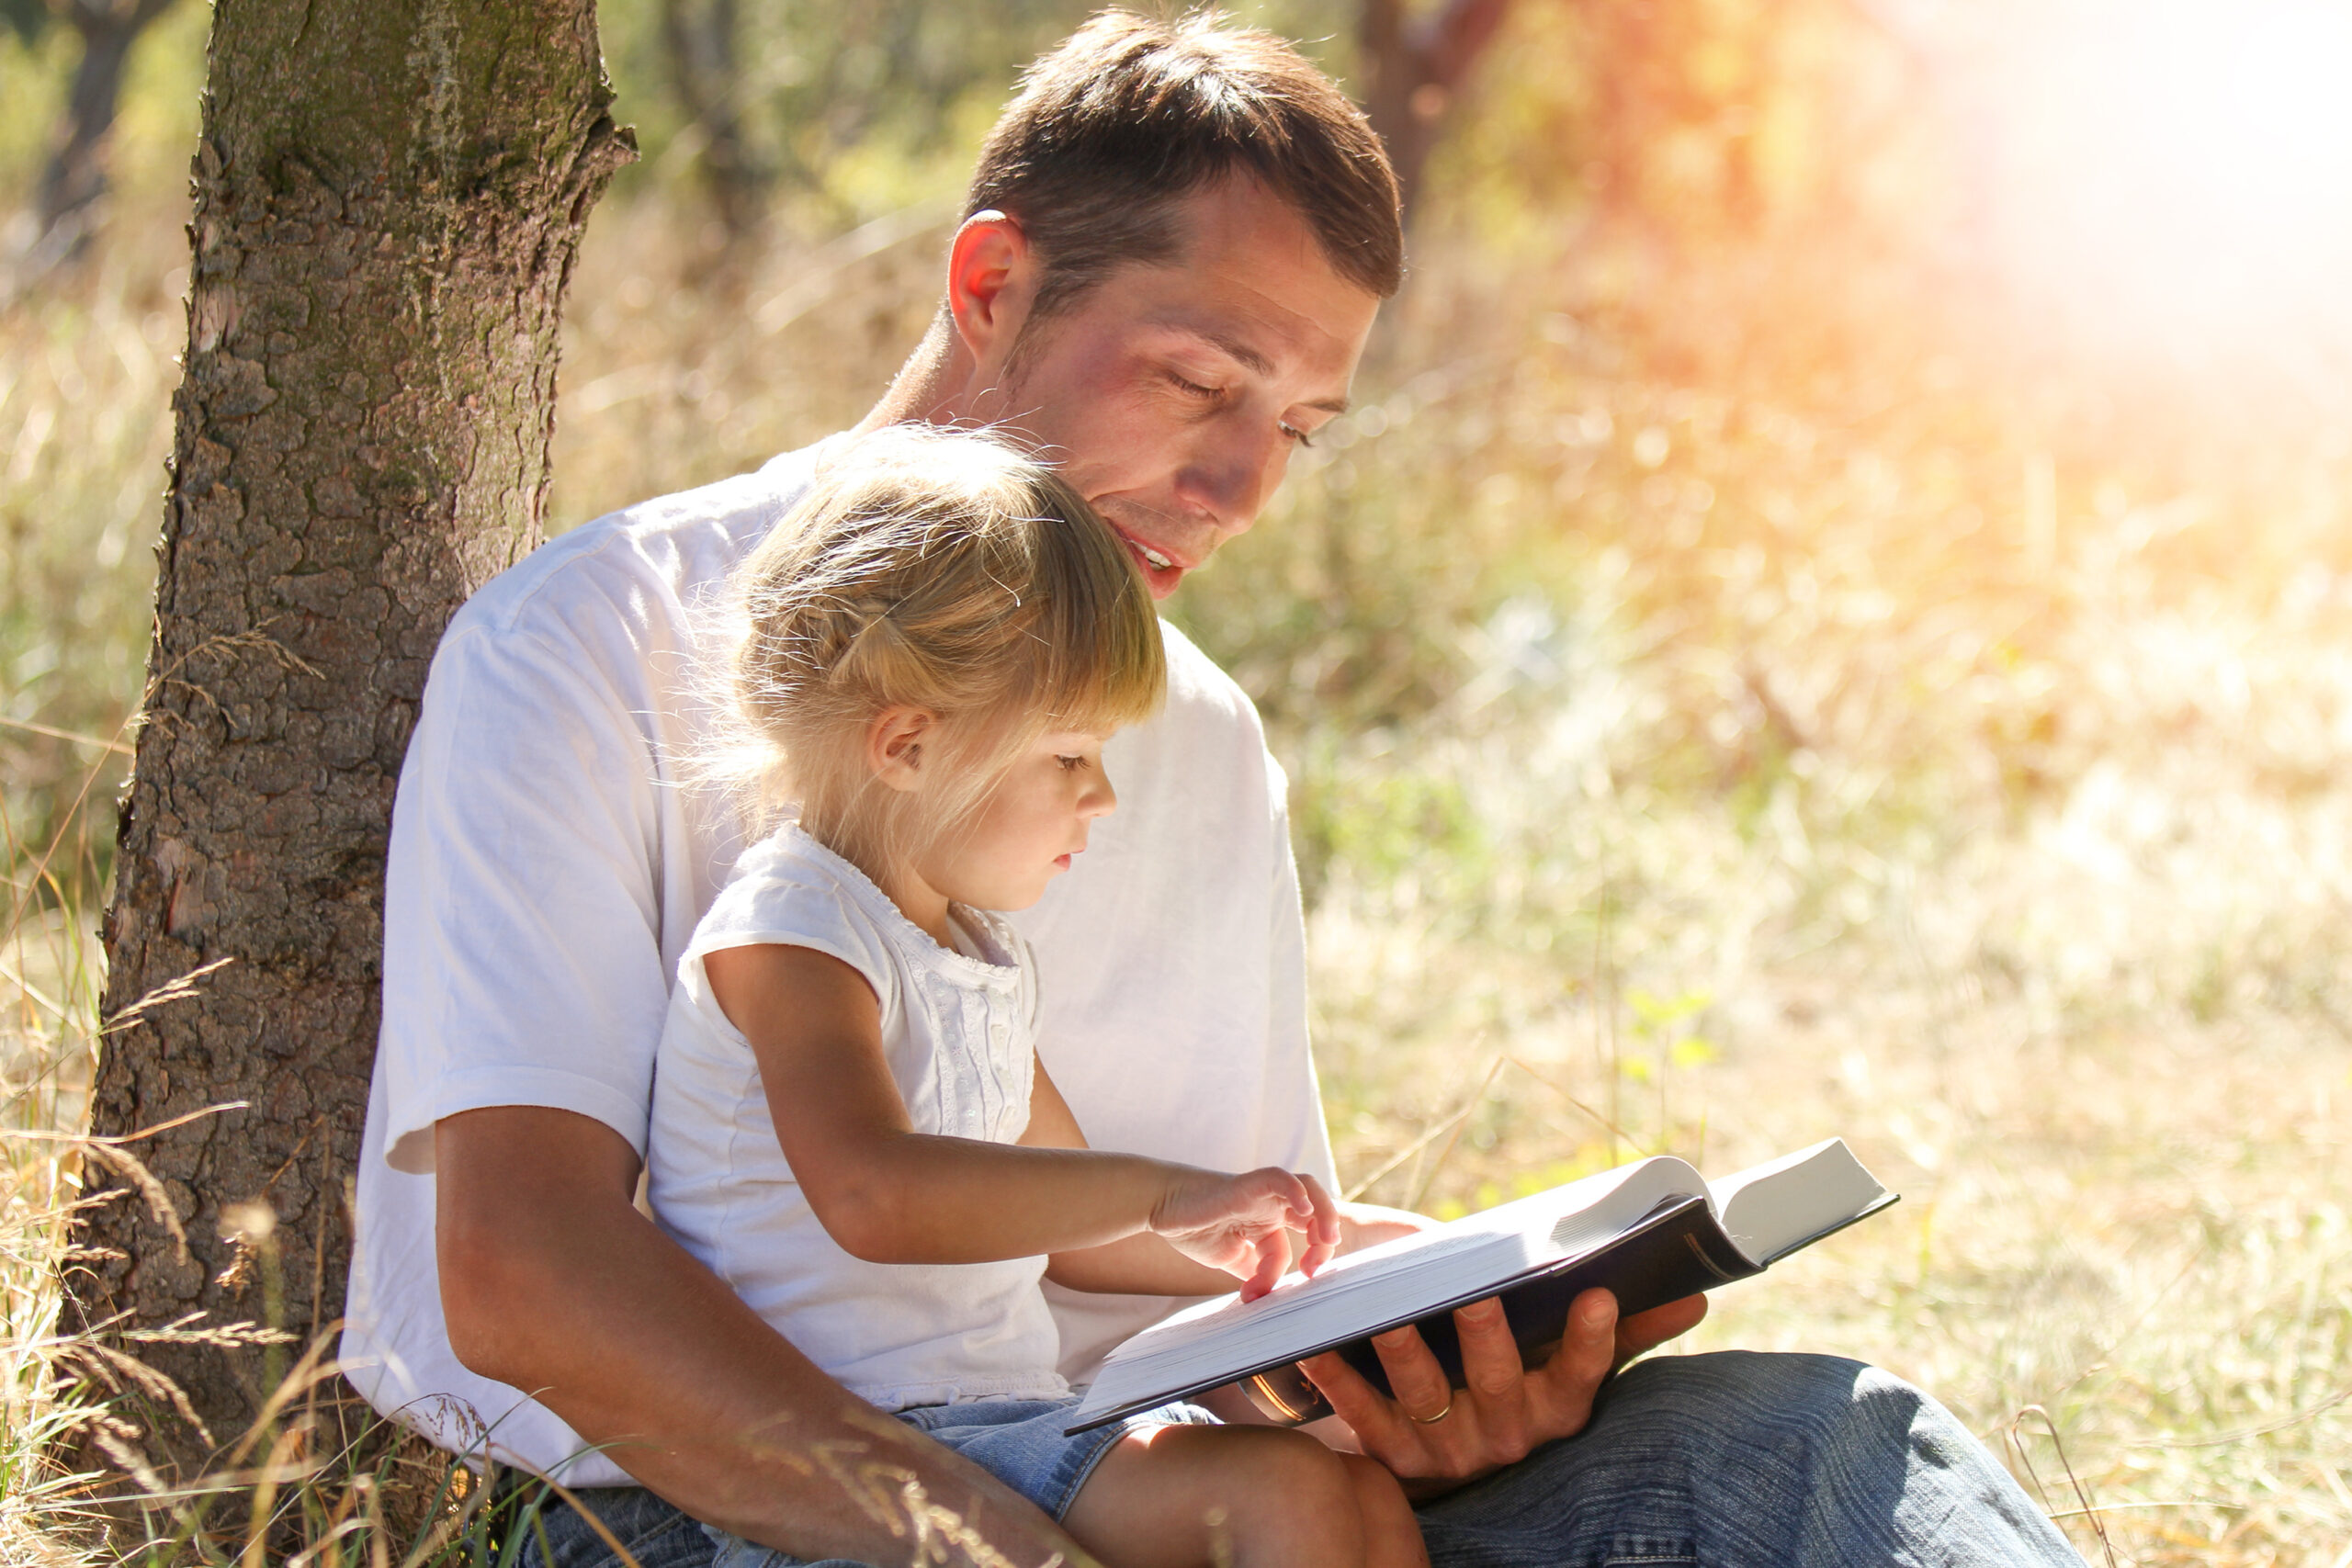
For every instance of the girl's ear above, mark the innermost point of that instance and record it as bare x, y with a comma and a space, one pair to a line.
894, 747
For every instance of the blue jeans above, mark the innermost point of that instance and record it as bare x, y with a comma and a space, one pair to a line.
1732, 1460
1019, 1441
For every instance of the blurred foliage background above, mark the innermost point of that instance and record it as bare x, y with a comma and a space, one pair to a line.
1831, 614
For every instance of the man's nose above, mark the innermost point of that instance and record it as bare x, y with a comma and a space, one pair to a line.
1234, 471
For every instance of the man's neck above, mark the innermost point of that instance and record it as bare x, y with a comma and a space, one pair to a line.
934, 387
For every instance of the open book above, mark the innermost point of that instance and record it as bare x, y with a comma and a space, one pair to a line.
1653, 1231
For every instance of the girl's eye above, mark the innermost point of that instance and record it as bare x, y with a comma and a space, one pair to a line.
1296, 434
1072, 765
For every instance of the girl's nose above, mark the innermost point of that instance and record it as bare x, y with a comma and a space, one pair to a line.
1099, 799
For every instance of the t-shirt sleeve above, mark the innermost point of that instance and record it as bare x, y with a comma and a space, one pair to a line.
523, 944
788, 907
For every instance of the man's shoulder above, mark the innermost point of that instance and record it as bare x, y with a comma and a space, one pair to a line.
1206, 747
1201, 692
657, 561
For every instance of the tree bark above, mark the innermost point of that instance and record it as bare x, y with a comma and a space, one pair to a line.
1414, 67
74, 181
388, 202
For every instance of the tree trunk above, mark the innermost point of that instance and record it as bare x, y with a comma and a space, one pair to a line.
388, 202
1414, 67
704, 41
76, 179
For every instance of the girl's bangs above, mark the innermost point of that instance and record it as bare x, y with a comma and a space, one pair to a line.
1108, 698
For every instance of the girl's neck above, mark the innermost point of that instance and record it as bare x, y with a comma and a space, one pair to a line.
919, 901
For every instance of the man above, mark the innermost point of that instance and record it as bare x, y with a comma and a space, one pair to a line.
1177, 239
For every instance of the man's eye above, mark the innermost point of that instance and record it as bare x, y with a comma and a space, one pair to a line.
1192, 386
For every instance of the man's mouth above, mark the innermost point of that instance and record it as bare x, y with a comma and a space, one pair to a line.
1161, 571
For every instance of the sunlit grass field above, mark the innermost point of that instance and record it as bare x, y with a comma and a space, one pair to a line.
1720, 712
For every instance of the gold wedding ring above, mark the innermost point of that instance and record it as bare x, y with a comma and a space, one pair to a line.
1433, 1420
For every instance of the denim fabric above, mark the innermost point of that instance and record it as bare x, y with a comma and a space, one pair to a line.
1730, 1460
1019, 1441
656, 1533
1742, 1460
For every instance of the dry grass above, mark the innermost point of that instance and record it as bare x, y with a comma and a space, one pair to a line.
84, 388
1693, 747
1830, 789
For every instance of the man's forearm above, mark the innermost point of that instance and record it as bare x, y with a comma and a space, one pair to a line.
553, 1286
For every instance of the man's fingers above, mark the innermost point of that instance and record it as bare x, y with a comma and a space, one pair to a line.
1491, 1370
1418, 1385
1490, 1361
1378, 1422
1354, 1400
1369, 1224
1645, 1330
1587, 1350
1503, 1410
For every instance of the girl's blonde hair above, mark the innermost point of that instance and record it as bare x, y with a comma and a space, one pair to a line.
944, 571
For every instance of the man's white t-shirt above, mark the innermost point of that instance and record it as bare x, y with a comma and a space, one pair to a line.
550, 861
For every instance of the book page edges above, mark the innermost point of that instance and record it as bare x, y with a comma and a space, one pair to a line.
1883, 1201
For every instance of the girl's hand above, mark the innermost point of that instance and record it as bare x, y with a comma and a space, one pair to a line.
1241, 1223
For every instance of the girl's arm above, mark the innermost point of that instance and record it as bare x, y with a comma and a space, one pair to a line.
890, 1194
1144, 1264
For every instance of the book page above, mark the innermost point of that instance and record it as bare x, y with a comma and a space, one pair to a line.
1772, 1208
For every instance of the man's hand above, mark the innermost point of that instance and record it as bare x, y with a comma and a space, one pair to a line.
1436, 1438
1369, 1224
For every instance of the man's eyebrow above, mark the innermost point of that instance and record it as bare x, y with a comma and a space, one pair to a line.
1249, 358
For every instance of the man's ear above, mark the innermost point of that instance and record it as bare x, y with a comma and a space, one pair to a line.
992, 282
894, 747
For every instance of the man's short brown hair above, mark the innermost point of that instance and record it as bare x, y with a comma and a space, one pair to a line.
1130, 116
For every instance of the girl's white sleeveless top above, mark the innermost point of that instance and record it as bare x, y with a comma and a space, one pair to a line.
959, 1032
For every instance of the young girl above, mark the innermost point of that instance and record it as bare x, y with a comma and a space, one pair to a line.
850, 1124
